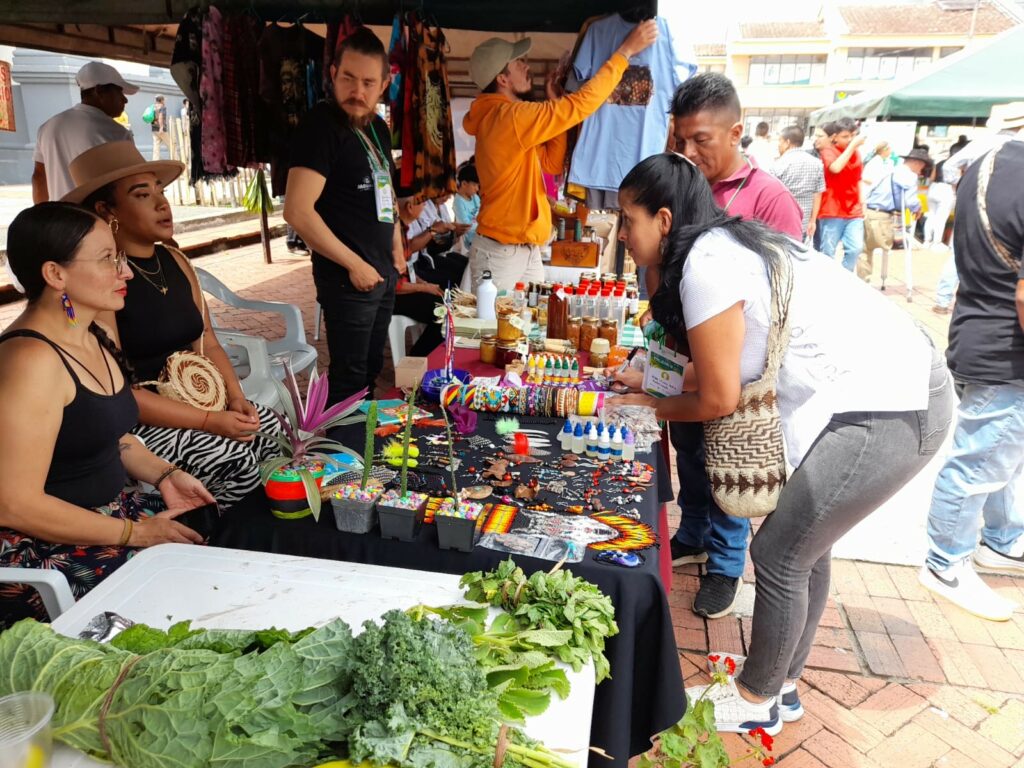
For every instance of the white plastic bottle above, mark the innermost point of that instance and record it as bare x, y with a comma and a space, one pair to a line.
604, 447
486, 293
579, 441
592, 441
616, 454
628, 447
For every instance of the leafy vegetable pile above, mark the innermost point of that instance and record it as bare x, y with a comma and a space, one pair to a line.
406, 692
557, 601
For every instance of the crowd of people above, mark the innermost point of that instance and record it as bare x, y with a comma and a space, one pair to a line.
726, 245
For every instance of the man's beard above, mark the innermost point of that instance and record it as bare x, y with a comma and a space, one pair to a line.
360, 121
528, 95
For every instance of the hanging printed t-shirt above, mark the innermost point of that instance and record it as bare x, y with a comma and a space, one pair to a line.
633, 123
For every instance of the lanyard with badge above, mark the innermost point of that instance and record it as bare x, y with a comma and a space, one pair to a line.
383, 192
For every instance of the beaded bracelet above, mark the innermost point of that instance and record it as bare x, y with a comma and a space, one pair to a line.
171, 469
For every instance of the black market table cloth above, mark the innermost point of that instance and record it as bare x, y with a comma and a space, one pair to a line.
645, 692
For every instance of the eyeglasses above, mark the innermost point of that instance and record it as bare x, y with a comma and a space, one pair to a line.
118, 261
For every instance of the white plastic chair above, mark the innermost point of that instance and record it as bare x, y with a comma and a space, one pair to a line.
51, 585
292, 347
250, 358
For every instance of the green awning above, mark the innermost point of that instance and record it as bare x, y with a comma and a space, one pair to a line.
956, 90
484, 15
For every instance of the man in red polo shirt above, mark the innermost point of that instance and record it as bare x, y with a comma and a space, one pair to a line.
841, 216
707, 130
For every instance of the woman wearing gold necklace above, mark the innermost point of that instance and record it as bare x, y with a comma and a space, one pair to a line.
164, 313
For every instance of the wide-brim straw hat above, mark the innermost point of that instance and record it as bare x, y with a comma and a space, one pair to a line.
113, 161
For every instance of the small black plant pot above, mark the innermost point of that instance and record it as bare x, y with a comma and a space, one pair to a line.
400, 522
455, 533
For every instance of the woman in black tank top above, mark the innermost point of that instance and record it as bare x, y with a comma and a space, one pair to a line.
66, 409
163, 314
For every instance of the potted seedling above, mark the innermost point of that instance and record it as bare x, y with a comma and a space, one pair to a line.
292, 479
400, 510
355, 503
455, 519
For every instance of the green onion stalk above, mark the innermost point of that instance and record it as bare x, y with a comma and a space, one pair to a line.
368, 445
531, 757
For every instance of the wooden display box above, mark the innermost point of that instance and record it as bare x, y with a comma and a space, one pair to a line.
569, 254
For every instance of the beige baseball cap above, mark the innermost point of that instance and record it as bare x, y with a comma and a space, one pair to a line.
97, 73
492, 56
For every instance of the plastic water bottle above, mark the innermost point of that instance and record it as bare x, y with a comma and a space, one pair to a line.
486, 293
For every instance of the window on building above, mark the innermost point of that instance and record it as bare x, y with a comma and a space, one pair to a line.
777, 119
720, 68
885, 63
786, 70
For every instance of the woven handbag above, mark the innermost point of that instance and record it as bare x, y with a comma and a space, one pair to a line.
191, 377
745, 453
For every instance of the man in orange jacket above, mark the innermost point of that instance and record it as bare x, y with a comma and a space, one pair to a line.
517, 140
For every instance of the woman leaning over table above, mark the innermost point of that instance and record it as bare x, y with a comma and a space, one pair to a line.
65, 413
164, 313
864, 402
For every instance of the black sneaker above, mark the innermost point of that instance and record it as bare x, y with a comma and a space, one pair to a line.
298, 247
717, 596
683, 555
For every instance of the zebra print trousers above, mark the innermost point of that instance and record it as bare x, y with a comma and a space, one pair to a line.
229, 469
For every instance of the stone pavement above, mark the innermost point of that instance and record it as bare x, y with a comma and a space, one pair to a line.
895, 678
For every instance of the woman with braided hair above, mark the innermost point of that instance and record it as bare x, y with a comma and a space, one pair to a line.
200, 420
66, 411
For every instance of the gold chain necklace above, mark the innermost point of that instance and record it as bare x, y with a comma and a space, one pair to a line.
160, 283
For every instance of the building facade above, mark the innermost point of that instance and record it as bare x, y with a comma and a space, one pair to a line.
786, 70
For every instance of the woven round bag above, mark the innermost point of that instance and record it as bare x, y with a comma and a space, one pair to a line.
192, 378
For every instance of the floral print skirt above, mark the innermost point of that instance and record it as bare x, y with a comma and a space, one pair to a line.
84, 566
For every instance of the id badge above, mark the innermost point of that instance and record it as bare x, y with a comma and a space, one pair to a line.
663, 376
384, 195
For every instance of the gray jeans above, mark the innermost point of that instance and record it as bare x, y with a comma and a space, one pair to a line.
856, 464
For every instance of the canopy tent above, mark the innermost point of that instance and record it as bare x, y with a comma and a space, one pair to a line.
958, 89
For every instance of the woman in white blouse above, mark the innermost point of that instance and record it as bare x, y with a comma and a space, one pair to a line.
864, 399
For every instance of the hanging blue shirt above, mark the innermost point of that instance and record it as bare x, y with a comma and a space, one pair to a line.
633, 124
466, 212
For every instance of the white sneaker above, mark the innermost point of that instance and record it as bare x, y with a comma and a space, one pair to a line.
790, 708
734, 714
962, 586
987, 557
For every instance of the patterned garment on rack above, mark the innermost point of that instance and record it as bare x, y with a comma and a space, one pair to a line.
83, 566
398, 61
242, 108
433, 137
211, 92
186, 64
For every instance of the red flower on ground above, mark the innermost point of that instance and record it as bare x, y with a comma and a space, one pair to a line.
714, 658
768, 761
766, 741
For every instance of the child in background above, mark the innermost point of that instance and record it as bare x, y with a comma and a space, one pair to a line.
467, 201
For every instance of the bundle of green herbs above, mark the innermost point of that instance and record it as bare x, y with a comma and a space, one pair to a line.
556, 601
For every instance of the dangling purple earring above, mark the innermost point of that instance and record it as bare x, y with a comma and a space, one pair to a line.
69, 309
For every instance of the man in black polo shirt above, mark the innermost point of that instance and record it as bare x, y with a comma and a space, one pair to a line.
982, 475
341, 202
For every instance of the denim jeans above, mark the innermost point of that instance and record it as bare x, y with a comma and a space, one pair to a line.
848, 231
855, 465
981, 477
356, 323
948, 282
703, 524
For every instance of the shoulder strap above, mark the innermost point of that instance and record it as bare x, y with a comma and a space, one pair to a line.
202, 296
28, 333
781, 279
987, 165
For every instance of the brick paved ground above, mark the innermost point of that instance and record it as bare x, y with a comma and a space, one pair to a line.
895, 678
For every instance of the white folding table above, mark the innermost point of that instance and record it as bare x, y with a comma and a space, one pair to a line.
233, 589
